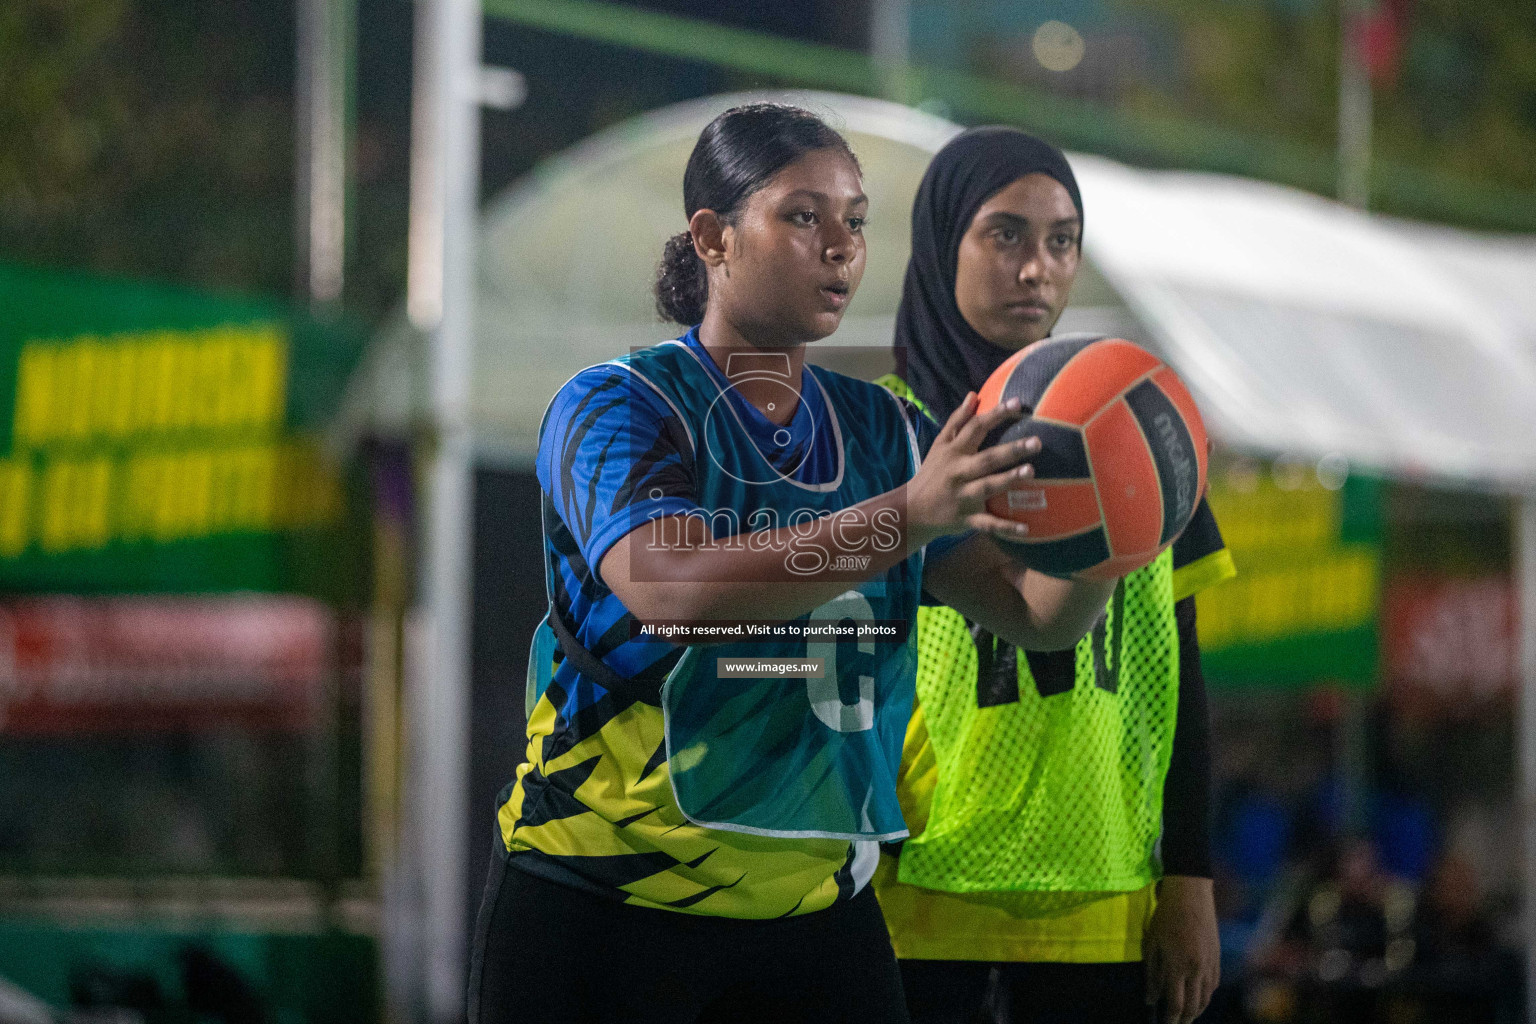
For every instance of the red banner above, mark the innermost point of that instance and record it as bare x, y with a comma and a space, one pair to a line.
1451, 641
70, 664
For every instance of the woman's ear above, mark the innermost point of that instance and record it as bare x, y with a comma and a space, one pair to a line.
708, 232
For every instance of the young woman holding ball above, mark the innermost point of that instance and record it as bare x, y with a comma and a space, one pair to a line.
1057, 800
684, 843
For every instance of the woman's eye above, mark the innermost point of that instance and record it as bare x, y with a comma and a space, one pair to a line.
1063, 241
1007, 236
803, 217
856, 224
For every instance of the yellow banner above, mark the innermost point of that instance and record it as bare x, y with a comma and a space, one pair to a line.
1298, 576
130, 387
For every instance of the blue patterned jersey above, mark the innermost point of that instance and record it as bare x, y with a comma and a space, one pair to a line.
594, 804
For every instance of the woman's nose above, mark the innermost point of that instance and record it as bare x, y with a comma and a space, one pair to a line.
840, 246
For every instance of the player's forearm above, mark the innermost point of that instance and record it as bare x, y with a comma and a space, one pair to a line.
1039, 613
673, 569
1021, 606
1063, 611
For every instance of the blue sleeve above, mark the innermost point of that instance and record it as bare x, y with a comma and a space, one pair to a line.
927, 430
613, 456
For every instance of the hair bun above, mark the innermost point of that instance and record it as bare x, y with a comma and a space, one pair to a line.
682, 286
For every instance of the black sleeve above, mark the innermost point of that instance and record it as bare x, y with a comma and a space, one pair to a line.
1201, 537
1187, 790
923, 425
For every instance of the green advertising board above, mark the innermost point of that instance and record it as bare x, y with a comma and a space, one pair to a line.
1304, 606
154, 439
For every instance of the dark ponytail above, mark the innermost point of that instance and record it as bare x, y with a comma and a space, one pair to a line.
737, 153
681, 284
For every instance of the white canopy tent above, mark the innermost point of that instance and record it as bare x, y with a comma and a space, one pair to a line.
1304, 328
1307, 328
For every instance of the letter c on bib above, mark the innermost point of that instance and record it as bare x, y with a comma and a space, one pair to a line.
847, 658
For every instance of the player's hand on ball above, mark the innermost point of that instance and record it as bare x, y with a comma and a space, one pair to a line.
949, 492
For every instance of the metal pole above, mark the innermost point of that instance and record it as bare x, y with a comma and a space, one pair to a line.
1525, 582
890, 44
1354, 108
440, 301
1354, 763
322, 101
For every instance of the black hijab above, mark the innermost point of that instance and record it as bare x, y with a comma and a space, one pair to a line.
946, 357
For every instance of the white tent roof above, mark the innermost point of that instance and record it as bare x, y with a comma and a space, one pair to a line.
1308, 328
1303, 327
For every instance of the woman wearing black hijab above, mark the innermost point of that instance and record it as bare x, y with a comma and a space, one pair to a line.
1059, 820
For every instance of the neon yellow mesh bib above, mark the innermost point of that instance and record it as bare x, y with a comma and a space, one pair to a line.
1051, 796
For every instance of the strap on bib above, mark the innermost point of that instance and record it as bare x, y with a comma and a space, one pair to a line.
593, 667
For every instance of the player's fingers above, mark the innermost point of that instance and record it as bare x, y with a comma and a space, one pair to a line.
975, 431
1173, 998
959, 418
1154, 970
1003, 529
1001, 456
978, 491
1194, 998
1209, 980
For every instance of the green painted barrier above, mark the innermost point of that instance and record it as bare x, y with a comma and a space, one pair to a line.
294, 978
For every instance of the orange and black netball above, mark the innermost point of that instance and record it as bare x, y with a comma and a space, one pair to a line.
1122, 463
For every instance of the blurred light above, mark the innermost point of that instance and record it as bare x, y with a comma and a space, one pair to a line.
890, 44
1268, 1000
1289, 474
1333, 965
501, 88
1332, 470
1242, 476
424, 234
1058, 46
323, 132
937, 107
